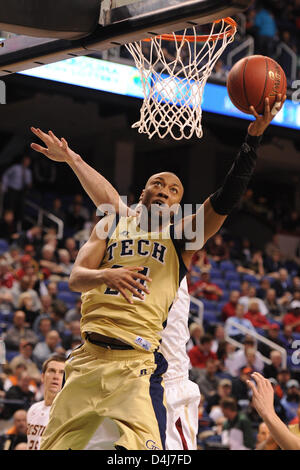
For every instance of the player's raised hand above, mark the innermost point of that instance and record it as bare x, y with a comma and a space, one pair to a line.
123, 279
258, 127
263, 395
56, 149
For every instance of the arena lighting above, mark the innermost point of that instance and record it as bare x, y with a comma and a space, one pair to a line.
123, 79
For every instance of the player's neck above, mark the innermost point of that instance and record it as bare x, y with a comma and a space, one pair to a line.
48, 398
152, 224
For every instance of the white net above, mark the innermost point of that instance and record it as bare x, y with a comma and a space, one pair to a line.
173, 82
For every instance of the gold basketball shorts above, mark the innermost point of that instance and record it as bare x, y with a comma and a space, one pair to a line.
125, 386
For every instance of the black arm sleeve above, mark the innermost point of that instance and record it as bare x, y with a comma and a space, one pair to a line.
235, 184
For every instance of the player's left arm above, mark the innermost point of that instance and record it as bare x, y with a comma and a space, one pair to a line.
211, 215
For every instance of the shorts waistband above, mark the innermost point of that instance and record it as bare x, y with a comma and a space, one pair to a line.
110, 344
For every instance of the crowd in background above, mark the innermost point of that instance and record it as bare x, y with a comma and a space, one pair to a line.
234, 280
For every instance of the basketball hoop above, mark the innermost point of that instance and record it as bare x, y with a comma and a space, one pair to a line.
173, 85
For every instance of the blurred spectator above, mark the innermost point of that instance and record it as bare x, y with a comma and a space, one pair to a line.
15, 181
264, 440
8, 226
254, 266
26, 305
18, 331
71, 335
70, 245
251, 297
272, 246
272, 335
291, 400
287, 338
206, 378
264, 286
237, 431
52, 290
44, 349
272, 370
236, 361
212, 407
240, 390
74, 314
238, 319
275, 310
20, 395
13, 375
292, 318
282, 284
17, 433
273, 263
205, 288
43, 327
57, 315
25, 285
257, 319
219, 70
200, 261
78, 201
200, 354
6, 276
65, 262
25, 357
283, 377
217, 248
266, 32
75, 220
229, 309
57, 210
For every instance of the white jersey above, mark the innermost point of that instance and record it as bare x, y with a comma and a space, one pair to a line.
37, 420
176, 335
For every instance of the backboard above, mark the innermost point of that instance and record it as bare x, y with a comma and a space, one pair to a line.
118, 22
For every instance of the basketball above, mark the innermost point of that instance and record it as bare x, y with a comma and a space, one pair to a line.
253, 79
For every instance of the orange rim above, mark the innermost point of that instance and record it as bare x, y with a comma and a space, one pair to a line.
200, 38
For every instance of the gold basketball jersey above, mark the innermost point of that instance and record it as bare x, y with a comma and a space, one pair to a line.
107, 312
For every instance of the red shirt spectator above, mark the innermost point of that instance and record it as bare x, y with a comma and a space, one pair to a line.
229, 309
205, 288
292, 318
257, 319
200, 354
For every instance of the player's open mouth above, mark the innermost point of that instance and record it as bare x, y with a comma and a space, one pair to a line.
158, 202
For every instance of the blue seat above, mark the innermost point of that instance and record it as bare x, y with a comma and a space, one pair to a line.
234, 285
63, 286
216, 274
225, 296
68, 297
227, 266
4, 246
231, 276
220, 283
250, 278
209, 304
11, 354
210, 317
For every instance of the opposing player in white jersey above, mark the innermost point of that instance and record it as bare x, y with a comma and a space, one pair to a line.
182, 395
38, 414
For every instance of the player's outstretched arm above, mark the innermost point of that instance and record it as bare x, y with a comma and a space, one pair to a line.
86, 274
95, 185
263, 400
219, 205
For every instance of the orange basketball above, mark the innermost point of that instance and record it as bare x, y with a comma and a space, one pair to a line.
253, 79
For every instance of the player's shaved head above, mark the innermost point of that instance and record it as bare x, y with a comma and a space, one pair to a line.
163, 175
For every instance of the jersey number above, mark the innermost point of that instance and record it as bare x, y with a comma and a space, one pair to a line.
145, 272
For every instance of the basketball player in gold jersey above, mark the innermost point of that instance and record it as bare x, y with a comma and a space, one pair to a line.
117, 372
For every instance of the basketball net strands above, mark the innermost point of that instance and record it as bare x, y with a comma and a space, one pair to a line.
173, 84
